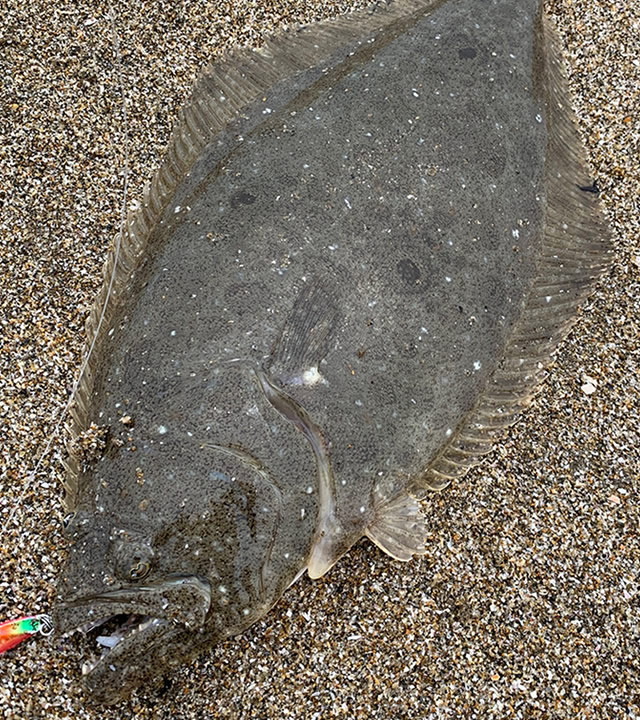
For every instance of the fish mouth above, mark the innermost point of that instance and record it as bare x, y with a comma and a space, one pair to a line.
127, 629
134, 630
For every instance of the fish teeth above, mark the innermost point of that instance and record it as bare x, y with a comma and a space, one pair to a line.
88, 666
149, 622
108, 642
92, 624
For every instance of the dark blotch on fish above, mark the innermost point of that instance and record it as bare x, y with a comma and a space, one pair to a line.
408, 271
467, 53
242, 198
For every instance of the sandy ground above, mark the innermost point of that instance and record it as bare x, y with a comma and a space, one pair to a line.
526, 604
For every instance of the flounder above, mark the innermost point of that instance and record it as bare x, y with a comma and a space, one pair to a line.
344, 281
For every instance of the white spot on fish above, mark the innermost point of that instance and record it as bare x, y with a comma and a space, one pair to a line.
162, 429
253, 411
515, 233
362, 508
477, 365
312, 377
302, 513
449, 431
222, 589
347, 203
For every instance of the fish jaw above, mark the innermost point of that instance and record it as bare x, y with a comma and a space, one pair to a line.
142, 656
155, 627
183, 599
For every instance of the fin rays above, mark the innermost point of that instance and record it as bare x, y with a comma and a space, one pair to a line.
399, 527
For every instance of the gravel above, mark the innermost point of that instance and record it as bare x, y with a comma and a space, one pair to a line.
526, 604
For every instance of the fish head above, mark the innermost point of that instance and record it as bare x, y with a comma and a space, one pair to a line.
156, 586
122, 589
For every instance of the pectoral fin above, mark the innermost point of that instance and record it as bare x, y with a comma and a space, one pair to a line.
399, 527
306, 335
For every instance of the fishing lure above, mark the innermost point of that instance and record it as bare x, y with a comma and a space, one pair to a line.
13, 632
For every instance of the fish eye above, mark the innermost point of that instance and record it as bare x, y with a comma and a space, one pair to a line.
139, 570
66, 520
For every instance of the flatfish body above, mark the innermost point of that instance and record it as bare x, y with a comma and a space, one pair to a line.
344, 284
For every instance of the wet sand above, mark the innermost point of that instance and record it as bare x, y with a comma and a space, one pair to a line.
526, 604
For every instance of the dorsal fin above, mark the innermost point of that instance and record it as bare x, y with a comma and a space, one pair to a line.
225, 88
575, 250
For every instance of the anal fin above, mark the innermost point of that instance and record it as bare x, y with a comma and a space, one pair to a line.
398, 527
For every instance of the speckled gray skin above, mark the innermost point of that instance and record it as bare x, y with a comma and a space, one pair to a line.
324, 300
